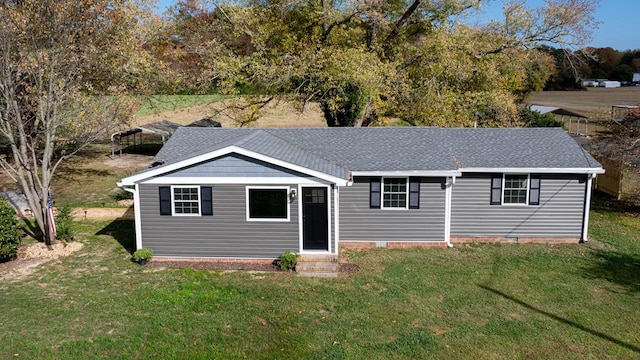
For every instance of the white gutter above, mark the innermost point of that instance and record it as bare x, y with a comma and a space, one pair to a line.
447, 210
535, 170
587, 207
425, 173
136, 210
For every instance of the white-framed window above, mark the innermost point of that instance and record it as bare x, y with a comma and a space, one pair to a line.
515, 189
185, 200
267, 203
395, 193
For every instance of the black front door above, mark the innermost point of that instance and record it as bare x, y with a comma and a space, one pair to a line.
315, 220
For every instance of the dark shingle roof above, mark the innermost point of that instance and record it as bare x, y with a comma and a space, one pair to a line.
336, 151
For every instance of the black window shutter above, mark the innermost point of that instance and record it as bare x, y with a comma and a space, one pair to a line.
496, 190
206, 201
414, 193
534, 190
374, 193
165, 200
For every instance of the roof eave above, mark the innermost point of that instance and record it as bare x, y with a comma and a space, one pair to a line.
536, 170
426, 173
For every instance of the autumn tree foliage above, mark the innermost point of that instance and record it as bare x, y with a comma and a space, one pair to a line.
64, 68
423, 62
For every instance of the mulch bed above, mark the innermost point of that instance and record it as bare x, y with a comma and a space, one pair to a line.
213, 265
347, 268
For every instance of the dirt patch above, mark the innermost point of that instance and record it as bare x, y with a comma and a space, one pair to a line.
129, 161
348, 268
41, 251
103, 213
31, 256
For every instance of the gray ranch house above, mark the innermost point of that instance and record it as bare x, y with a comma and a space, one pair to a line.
256, 193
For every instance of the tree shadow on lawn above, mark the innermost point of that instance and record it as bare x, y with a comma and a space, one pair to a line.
123, 230
604, 203
616, 267
562, 320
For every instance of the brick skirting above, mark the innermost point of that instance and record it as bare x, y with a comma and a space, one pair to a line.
216, 260
519, 240
358, 245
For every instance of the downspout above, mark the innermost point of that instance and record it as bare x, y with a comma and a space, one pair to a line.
336, 214
587, 207
136, 210
447, 209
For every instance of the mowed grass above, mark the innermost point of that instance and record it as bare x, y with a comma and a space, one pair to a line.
89, 178
468, 302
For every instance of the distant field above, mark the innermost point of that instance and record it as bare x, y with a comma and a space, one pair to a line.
185, 109
161, 103
594, 103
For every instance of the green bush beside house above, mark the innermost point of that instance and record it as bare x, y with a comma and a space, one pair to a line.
9, 235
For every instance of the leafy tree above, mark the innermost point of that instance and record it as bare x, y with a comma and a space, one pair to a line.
621, 72
64, 66
368, 59
623, 139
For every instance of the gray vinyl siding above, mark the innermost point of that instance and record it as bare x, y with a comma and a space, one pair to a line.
234, 165
558, 215
360, 223
225, 234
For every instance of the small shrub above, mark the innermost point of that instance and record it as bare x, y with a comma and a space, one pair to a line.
142, 254
9, 235
122, 194
288, 261
65, 229
535, 119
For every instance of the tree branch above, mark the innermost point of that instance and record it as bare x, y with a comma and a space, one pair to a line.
396, 29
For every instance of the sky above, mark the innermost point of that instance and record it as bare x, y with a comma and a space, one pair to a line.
619, 26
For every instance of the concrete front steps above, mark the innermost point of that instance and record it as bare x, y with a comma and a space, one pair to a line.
321, 265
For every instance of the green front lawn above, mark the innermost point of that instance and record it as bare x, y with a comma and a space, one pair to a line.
479, 302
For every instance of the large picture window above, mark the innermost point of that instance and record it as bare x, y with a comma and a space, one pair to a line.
186, 200
268, 204
394, 193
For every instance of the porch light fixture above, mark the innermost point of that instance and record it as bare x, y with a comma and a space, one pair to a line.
292, 194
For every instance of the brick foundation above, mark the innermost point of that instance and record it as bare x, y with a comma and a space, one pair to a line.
359, 245
216, 260
519, 240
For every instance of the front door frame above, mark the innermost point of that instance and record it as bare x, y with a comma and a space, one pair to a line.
301, 220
